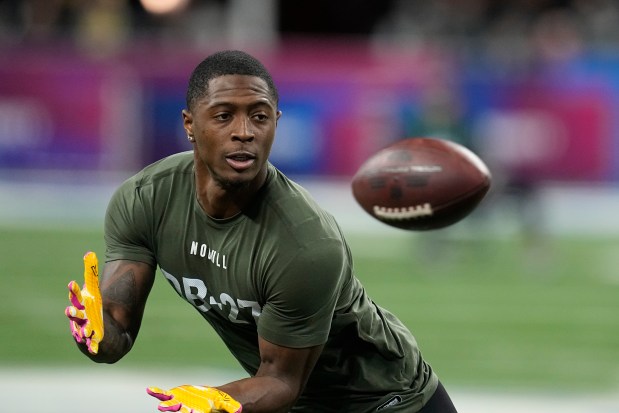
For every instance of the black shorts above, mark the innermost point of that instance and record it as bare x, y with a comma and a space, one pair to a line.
395, 402
440, 402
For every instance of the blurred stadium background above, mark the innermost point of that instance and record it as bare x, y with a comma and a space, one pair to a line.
519, 302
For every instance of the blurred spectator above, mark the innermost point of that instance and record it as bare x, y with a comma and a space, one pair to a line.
103, 26
601, 20
35, 20
556, 35
96, 26
457, 23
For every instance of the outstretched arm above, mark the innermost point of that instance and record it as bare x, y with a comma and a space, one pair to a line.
280, 379
124, 287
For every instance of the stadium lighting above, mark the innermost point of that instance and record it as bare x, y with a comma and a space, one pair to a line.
163, 6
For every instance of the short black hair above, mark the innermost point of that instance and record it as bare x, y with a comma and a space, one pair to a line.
226, 62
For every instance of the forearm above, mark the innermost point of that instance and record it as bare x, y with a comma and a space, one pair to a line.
279, 381
124, 288
262, 394
106, 313
115, 344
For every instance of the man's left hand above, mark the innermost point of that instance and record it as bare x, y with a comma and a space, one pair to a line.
194, 399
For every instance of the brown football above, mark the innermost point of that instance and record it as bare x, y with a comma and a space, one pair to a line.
421, 183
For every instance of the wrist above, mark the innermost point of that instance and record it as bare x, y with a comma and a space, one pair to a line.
115, 345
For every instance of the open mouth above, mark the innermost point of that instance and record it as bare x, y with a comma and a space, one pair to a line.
240, 160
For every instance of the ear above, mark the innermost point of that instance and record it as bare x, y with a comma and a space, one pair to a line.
188, 122
277, 116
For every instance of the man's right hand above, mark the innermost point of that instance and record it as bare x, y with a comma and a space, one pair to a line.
86, 311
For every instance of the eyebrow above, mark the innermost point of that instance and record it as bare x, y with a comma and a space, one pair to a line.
252, 105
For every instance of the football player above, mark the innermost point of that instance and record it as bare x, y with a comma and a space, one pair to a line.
258, 258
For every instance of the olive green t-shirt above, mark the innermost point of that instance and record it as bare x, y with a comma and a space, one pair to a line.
281, 270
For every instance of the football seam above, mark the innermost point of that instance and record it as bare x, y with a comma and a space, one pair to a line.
420, 210
403, 213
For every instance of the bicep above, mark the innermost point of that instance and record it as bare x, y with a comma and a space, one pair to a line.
302, 296
125, 286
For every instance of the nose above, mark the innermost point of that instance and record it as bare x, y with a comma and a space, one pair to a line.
243, 131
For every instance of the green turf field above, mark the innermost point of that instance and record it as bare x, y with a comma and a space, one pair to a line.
505, 313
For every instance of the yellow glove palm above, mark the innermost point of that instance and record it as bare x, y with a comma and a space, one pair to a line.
86, 312
194, 399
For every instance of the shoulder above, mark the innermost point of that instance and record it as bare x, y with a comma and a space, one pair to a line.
178, 164
161, 178
295, 208
288, 197
134, 209
164, 172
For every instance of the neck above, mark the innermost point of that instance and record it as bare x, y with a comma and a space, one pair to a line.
222, 201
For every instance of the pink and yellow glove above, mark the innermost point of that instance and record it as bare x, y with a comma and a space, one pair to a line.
194, 399
86, 312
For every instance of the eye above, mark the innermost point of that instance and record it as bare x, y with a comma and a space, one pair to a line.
222, 116
261, 117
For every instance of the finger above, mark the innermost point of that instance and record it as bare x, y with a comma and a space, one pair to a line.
159, 393
93, 331
75, 314
87, 329
92, 345
172, 406
75, 295
91, 273
75, 332
96, 335
228, 406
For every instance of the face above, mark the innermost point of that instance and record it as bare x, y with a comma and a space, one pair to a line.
233, 127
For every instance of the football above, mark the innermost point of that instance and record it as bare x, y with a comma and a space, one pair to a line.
421, 183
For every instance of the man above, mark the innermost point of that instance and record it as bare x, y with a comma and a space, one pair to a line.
258, 258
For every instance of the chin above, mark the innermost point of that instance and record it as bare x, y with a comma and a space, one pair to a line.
234, 183
237, 180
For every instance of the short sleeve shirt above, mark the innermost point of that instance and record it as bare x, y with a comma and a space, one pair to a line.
281, 270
